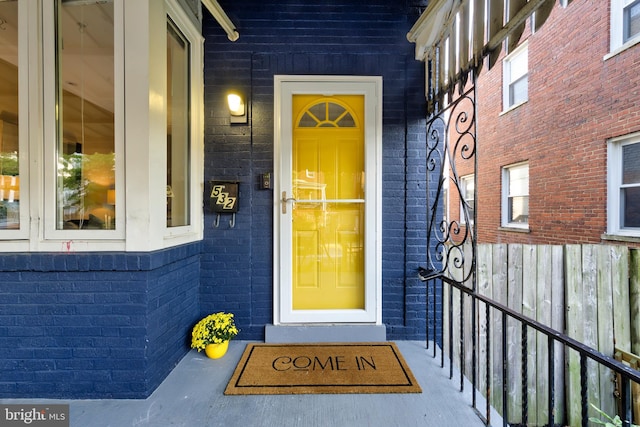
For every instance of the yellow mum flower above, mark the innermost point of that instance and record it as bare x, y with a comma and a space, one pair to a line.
213, 329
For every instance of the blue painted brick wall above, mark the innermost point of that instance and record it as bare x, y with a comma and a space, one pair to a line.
349, 37
94, 325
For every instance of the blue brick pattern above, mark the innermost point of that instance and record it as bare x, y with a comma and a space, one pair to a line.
95, 325
346, 37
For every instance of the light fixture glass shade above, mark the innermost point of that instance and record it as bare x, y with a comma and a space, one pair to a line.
236, 105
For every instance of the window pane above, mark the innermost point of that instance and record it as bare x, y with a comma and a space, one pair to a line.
326, 114
631, 20
519, 65
519, 209
9, 147
307, 121
518, 197
178, 147
631, 164
468, 194
519, 180
86, 145
631, 201
518, 91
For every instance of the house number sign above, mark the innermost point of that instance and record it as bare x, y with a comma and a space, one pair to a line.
224, 196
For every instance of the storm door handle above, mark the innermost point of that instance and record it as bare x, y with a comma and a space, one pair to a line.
284, 201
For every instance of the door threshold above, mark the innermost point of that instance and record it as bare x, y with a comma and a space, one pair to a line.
325, 333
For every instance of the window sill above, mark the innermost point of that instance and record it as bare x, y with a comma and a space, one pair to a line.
62, 246
513, 107
515, 229
622, 48
620, 238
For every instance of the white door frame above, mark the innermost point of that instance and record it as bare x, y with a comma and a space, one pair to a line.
285, 87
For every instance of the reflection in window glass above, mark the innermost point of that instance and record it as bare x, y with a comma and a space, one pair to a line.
86, 141
178, 170
630, 186
9, 147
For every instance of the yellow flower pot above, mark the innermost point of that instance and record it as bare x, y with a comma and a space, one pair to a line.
216, 351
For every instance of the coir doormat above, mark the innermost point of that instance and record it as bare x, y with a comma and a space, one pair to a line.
322, 369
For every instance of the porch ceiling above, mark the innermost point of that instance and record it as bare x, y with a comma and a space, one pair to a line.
476, 28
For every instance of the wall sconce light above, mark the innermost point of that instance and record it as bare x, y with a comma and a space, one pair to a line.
237, 108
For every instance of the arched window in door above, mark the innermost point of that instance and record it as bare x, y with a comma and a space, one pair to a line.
327, 113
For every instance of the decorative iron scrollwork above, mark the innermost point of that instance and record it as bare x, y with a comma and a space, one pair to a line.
451, 143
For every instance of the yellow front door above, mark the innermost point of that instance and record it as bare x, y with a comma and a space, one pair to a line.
328, 217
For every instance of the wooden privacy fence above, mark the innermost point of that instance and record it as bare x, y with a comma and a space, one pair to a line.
589, 292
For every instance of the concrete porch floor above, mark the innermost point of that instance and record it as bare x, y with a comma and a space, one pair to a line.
192, 395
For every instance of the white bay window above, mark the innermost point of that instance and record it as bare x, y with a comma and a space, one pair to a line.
65, 64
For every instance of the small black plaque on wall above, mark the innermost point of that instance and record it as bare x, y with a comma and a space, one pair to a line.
224, 196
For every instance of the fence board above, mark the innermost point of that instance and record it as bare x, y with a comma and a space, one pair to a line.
558, 323
514, 332
529, 261
448, 319
457, 321
457, 274
484, 283
543, 315
499, 278
446, 289
634, 300
468, 256
634, 326
590, 319
604, 326
573, 299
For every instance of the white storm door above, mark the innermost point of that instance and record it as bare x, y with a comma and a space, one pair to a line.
327, 222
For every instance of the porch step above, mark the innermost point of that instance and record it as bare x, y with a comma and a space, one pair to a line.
325, 333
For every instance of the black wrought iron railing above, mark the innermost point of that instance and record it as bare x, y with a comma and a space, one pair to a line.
438, 284
450, 278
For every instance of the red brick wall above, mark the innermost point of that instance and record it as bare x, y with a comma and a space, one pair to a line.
577, 100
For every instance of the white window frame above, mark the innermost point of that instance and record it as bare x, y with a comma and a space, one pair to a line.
194, 230
508, 79
617, 43
505, 198
87, 237
141, 199
464, 196
614, 184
